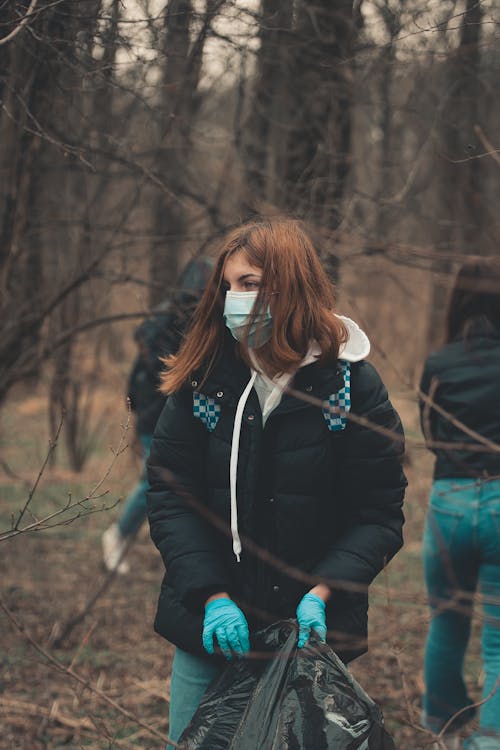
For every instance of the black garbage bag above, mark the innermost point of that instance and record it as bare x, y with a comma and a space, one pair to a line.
284, 698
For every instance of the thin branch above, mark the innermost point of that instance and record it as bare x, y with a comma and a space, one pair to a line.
467, 708
491, 150
42, 524
12, 474
396, 647
21, 24
60, 667
485, 445
61, 632
52, 447
426, 413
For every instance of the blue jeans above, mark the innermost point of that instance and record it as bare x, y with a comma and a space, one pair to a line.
191, 675
134, 510
461, 552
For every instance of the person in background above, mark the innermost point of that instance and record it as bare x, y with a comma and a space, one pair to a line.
284, 469
157, 337
460, 408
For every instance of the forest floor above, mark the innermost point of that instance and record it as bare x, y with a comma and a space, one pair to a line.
112, 671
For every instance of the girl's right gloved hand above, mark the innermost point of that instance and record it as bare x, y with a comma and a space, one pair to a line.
311, 616
225, 620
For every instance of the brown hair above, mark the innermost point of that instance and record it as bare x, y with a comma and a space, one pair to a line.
302, 308
475, 295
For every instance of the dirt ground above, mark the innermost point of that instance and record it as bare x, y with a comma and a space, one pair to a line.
112, 671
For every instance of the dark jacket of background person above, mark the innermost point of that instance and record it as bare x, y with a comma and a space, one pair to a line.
156, 337
321, 502
466, 377
159, 336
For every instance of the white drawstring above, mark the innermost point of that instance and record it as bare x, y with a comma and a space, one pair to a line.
233, 465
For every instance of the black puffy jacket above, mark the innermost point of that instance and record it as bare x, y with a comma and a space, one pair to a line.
464, 378
325, 504
160, 336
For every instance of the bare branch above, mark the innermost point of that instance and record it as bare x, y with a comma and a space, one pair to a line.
490, 149
79, 507
70, 672
52, 447
21, 24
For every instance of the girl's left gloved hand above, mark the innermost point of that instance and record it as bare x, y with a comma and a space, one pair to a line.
225, 620
311, 616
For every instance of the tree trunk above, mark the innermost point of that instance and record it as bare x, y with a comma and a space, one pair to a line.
459, 225
265, 143
28, 73
40, 126
297, 148
175, 107
319, 142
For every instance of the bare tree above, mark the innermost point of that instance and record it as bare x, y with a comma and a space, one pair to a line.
264, 139
179, 98
298, 148
461, 207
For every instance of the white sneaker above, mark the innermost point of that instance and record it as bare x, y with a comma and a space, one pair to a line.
114, 547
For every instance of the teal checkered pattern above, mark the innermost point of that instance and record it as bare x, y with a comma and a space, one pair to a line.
206, 409
339, 403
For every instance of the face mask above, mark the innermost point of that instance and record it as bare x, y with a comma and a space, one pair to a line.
237, 311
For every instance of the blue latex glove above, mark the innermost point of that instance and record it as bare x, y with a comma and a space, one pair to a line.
311, 616
225, 620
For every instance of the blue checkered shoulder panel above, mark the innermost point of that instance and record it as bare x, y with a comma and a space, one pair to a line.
339, 403
206, 409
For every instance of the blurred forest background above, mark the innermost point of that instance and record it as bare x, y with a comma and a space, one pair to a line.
132, 135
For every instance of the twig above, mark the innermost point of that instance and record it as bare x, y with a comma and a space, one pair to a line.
426, 412
44, 523
485, 445
66, 629
21, 24
83, 643
122, 446
60, 667
467, 708
396, 649
493, 152
52, 447
12, 474
54, 714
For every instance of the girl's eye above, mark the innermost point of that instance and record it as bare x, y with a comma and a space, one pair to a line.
250, 285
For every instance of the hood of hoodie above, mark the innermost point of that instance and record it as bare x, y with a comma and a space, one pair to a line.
357, 346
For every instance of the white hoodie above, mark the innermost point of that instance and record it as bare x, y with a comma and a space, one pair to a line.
270, 392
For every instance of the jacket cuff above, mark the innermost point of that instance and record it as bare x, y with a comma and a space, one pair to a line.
195, 600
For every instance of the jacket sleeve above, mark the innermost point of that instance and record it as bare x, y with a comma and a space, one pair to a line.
372, 485
175, 502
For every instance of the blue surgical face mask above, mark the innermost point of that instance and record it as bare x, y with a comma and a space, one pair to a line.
237, 312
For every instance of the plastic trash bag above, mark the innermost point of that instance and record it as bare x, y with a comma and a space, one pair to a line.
284, 698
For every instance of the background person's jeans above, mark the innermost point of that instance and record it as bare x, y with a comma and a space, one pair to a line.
134, 510
461, 552
191, 676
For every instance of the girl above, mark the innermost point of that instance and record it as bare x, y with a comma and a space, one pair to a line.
265, 500
460, 404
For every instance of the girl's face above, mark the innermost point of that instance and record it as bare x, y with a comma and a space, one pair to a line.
240, 276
